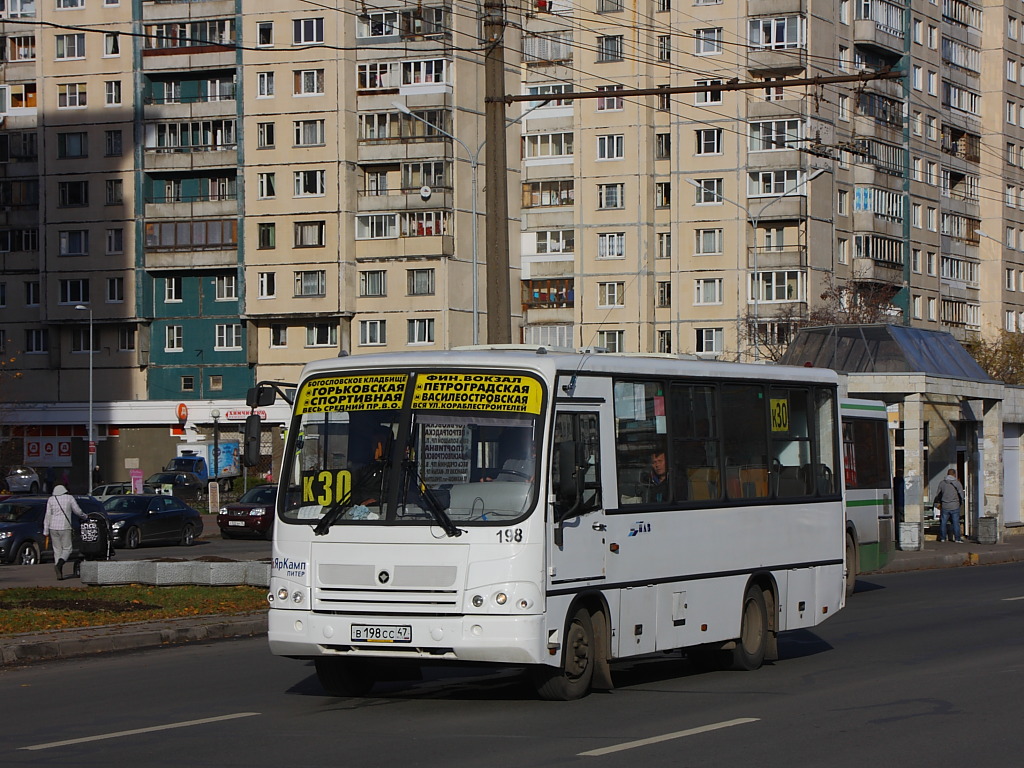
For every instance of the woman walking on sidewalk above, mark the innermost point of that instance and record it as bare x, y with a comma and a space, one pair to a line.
57, 525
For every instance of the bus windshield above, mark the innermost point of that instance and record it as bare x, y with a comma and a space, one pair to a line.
365, 450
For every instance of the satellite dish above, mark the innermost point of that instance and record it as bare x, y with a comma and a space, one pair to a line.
425, 192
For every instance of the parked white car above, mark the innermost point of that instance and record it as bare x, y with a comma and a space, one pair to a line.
21, 479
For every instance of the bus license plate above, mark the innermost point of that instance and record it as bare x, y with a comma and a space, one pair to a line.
369, 633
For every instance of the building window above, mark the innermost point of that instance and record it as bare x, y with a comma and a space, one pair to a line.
264, 34
74, 291
309, 31
33, 293
664, 245
709, 242
420, 331
662, 194
322, 335
610, 102
174, 338
310, 234
71, 96
70, 46
37, 340
22, 48
711, 96
709, 141
115, 290
665, 342
226, 287
769, 135
611, 245
778, 286
172, 290
609, 48
278, 335
611, 294
74, 242
373, 283
611, 196
228, 336
309, 82
311, 283
72, 145
708, 41
372, 332
188, 383
216, 383
114, 191
264, 135
709, 191
115, 241
376, 226
612, 341
662, 146
772, 183
80, 341
72, 194
708, 290
112, 143
310, 183
420, 282
264, 85
266, 285
664, 48
708, 340
664, 293
612, 147
266, 235
126, 338
112, 93
266, 186
309, 133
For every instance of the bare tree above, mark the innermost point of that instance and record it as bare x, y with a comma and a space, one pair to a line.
1001, 358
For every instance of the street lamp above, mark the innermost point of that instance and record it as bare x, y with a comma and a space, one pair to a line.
474, 165
92, 443
754, 220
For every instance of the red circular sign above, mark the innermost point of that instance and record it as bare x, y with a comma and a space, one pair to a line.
182, 412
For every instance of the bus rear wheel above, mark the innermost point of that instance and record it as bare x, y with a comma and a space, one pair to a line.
572, 679
343, 677
750, 648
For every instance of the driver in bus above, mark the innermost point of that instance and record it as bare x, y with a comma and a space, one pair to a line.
657, 489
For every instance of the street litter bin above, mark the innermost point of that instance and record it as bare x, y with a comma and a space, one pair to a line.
910, 537
988, 530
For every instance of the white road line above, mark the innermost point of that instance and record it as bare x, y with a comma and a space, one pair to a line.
1011, 599
119, 734
667, 737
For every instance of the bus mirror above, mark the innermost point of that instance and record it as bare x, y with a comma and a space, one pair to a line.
251, 450
260, 397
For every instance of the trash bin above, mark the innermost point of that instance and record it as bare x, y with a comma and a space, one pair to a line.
910, 537
988, 530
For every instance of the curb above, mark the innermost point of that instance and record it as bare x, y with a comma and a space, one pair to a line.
85, 641
932, 561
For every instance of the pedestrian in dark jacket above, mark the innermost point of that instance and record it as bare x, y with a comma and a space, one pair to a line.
950, 498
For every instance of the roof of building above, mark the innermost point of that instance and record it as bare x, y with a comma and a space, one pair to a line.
883, 348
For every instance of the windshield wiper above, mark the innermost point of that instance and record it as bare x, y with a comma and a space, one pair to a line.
337, 511
434, 507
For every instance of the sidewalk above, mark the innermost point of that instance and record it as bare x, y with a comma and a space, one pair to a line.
68, 643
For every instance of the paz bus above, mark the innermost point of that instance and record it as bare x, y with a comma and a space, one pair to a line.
551, 510
868, 481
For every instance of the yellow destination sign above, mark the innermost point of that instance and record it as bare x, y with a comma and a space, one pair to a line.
352, 393
478, 392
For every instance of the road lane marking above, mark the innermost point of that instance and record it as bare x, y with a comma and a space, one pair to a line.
1011, 599
120, 734
667, 737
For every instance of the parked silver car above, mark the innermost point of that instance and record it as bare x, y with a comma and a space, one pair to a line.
20, 479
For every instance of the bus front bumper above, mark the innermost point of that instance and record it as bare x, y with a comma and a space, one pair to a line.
496, 639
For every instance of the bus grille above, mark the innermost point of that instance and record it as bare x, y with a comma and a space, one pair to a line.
386, 601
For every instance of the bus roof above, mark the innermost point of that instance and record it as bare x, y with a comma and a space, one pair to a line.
549, 363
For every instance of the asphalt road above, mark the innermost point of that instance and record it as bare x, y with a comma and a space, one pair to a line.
921, 669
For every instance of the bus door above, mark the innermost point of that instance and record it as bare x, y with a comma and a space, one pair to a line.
577, 506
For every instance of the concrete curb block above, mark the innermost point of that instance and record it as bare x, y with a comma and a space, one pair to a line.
953, 560
159, 573
69, 643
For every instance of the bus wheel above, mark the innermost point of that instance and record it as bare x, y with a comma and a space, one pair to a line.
342, 677
852, 566
750, 647
572, 681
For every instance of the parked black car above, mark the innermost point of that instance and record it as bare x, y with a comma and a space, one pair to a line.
21, 528
253, 513
147, 518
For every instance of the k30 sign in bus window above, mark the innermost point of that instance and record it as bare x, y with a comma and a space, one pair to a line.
477, 392
352, 393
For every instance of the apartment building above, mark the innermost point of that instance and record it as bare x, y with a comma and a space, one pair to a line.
199, 195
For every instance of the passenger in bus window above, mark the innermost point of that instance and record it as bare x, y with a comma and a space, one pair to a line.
658, 486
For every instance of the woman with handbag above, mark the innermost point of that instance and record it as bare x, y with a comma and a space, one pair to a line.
57, 525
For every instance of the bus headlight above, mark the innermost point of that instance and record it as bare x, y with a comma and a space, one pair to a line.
282, 593
478, 600
297, 597
501, 598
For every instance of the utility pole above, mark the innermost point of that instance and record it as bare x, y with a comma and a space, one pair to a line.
499, 310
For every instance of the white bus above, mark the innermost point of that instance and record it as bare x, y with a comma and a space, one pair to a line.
510, 506
870, 534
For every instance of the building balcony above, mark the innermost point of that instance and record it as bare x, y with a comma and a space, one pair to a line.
406, 199
190, 59
874, 271
775, 7
406, 247
881, 35
223, 205
777, 60
870, 222
180, 110
190, 158
761, 258
218, 257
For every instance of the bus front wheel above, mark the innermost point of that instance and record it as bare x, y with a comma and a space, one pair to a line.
572, 679
750, 648
342, 677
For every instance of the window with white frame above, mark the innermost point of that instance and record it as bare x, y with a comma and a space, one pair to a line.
81, 341
37, 340
112, 93
709, 242
310, 282
707, 290
266, 186
310, 234
278, 335
321, 335
375, 76
611, 147
611, 245
709, 141
709, 191
308, 31
173, 287
309, 133
426, 72
665, 342
70, 46
420, 330
778, 286
664, 294
611, 294
373, 282
611, 102
376, 226
228, 336
174, 338
708, 42
266, 285
33, 293
71, 96
548, 145
372, 332
611, 196
664, 245
126, 338
115, 290
310, 183
609, 47
309, 82
377, 24
264, 85
226, 288
74, 291
776, 33
711, 96
420, 282
115, 240
664, 48
708, 340
74, 242
555, 241
612, 341
662, 194
772, 183
768, 135
264, 34
662, 146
